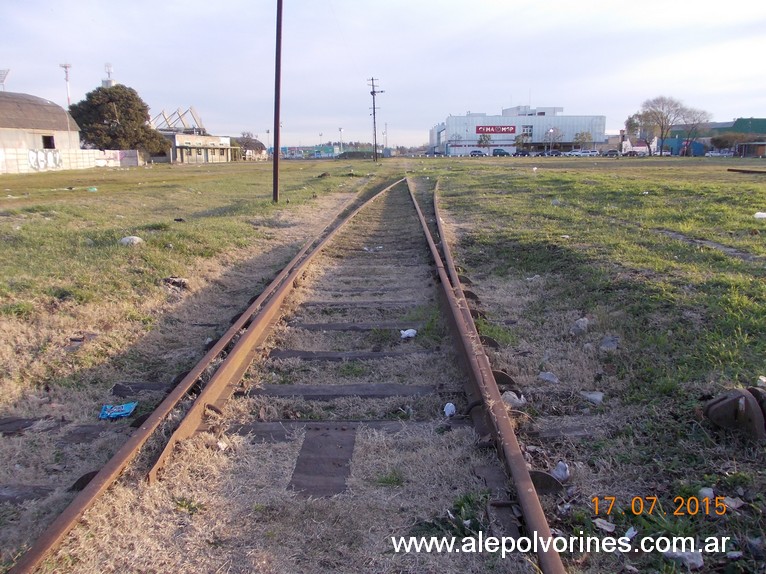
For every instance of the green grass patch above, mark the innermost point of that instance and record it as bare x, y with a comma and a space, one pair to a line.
59, 240
394, 477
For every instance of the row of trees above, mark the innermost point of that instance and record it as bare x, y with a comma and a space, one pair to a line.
551, 137
659, 115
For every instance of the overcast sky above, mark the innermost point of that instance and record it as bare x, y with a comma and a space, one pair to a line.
431, 59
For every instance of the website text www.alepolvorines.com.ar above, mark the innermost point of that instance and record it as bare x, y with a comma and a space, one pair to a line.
574, 544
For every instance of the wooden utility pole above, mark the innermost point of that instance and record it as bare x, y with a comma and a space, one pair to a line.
373, 93
277, 90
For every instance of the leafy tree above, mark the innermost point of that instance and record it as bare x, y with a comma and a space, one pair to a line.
633, 125
728, 140
641, 125
663, 113
485, 140
249, 143
117, 118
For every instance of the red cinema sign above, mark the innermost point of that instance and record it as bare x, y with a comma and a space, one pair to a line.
495, 129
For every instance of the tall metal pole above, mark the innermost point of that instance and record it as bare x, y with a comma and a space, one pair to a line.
373, 93
66, 78
277, 93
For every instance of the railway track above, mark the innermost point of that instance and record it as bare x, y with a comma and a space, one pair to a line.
319, 428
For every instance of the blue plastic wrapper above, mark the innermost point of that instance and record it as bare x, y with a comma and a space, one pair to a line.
117, 411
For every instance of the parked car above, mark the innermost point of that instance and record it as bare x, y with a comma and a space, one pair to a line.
611, 153
521, 153
713, 153
582, 153
477, 153
554, 153
499, 153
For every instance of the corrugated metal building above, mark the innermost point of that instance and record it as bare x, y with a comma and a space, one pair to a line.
516, 127
31, 122
37, 135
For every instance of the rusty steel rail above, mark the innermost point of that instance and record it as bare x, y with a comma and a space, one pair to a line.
238, 347
480, 373
223, 383
108, 474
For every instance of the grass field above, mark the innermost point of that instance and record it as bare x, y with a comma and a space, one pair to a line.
667, 257
664, 255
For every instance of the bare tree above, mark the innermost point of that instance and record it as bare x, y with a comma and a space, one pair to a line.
693, 120
664, 113
521, 141
583, 138
552, 136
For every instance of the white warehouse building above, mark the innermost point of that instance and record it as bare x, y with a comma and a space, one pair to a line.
519, 127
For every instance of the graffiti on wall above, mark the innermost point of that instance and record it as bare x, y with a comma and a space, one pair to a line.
44, 159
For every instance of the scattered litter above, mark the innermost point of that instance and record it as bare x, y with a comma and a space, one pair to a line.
604, 525
706, 492
514, 399
733, 503
556, 202
564, 236
761, 381
610, 343
760, 215
631, 533
736, 555
117, 411
691, 560
533, 278
373, 249
131, 240
548, 377
179, 220
177, 282
92, 189
580, 326
561, 471
534, 170
593, 397
408, 333
449, 410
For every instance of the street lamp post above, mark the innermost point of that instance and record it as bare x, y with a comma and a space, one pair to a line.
550, 140
340, 130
